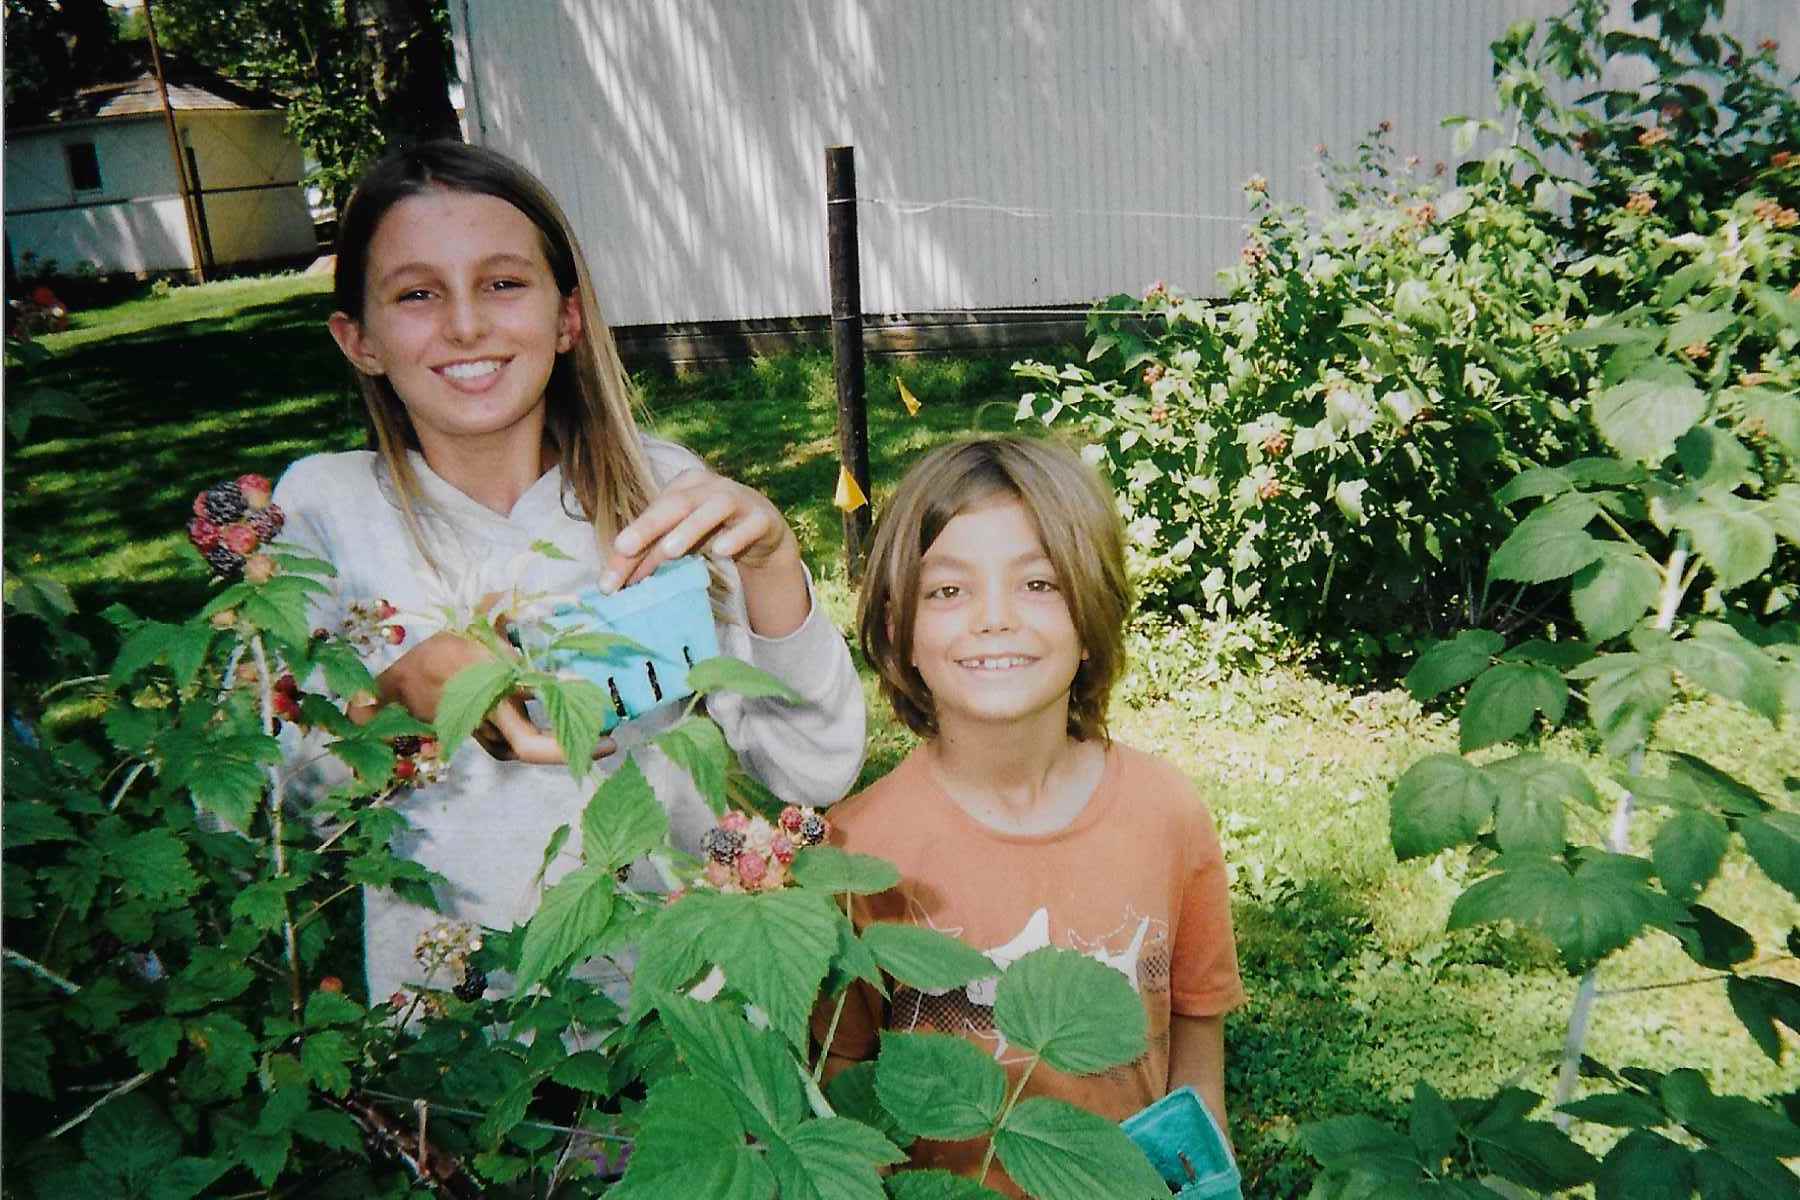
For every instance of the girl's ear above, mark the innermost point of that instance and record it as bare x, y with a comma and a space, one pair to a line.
347, 332
570, 325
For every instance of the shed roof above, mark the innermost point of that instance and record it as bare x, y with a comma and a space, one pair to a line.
191, 89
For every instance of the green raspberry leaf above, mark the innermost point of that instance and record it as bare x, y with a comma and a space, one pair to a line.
466, 699
726, 674
571, 918
831, 1159
1056, 1151
1761, 1002
1432, 1124
1441, 801
1773, 840
1552, 543
852, 1094
1453, 662
578, 711
1732, 535
936, 1185
828, 869
697, 746
1529, 814
1721, 660
1611, 594
938, 1085
1590, 913
1687, 851
925, 958
691, 1143
1504, 699
754, 1068
1080, 1015
1645, 1166
623, 821
1643, 416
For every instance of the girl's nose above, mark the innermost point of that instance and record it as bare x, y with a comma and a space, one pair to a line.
464, 319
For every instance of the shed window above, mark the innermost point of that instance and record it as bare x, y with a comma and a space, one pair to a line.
84, 166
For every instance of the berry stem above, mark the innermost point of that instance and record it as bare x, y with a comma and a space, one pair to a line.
265, 683
1012, 1101
837, 1013
34, 967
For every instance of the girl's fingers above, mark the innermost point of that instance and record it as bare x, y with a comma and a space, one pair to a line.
692, 529
739, 536
509, 736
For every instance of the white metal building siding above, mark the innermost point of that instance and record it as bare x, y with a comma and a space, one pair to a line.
686, 137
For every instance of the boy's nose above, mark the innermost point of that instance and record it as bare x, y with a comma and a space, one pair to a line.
995, 610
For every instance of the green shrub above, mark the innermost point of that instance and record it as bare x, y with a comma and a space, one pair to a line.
1324, 445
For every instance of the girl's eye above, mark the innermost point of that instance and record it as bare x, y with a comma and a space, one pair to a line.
507, 285
944, 591
1040, 585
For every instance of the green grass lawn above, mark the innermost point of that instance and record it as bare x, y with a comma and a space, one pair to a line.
1356, 990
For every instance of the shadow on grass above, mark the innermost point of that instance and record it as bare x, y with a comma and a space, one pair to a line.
175, 408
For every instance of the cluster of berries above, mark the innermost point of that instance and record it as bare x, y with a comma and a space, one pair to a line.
448, 945
749, 854
416, 761
367, 623
231, 521
1770, 212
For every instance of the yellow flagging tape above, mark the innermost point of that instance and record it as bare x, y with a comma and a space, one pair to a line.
849, 497
907, 398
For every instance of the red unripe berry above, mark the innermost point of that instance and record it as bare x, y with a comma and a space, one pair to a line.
384, 610
260, 568
203, 534
791, 817
428, 747
285, 706
331, 983
751, 867
395, 634
405, 768
239, 538
255, 490
287, 685
200, 503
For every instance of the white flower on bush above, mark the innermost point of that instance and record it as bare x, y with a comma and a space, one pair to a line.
1323, 268
1348, 412
1144, 530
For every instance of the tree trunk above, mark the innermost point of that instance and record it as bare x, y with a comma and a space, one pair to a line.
407, 64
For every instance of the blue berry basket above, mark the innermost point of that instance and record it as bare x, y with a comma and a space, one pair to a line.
1183, 1142
669, 614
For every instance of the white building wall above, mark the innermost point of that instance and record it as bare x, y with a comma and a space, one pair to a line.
686, 137
134, 222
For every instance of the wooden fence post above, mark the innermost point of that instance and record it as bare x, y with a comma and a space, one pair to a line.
847, 344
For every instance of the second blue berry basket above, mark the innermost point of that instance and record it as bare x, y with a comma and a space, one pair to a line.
1184, 1144
669, 613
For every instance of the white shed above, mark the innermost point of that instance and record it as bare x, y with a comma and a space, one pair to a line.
97, 184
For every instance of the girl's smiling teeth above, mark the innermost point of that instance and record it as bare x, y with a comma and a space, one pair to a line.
465, 371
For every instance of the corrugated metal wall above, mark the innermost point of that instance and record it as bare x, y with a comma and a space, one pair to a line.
1111, 137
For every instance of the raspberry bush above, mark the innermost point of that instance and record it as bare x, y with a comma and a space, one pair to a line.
180, 920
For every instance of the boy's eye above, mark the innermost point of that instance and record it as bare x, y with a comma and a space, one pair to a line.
507, 285
414, 294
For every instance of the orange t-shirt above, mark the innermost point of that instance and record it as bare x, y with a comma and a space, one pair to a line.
1137, 881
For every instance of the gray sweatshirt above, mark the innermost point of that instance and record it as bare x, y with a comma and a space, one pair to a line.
486, 825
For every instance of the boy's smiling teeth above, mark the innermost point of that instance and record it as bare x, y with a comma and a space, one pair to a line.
471, 370
1002, 662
